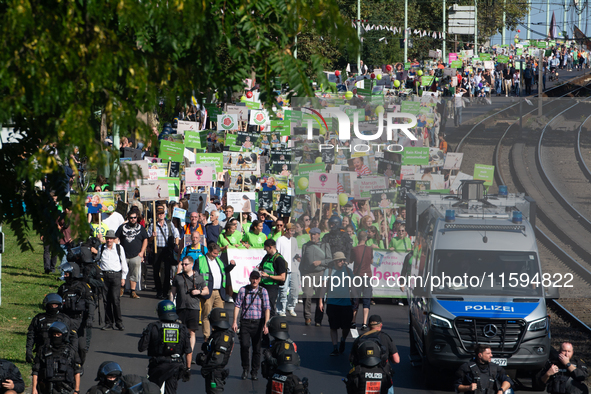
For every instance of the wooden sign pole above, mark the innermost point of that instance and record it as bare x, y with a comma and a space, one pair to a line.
154, 227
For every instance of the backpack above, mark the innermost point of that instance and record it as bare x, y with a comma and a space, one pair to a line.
374, 338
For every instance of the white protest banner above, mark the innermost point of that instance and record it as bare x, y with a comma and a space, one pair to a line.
259, 117
139, 167
409, 172
239, 110
246, 260
362, 186
240, 201
489, 64
320, 182
227, 122
199, 175
386, 268
154, 191
433, 54
453, 161
184, 125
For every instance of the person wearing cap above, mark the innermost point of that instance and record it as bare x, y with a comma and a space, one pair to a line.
114, 266
316, 257
339, 308
287, 246
389, 351
283, 381
252, 312
273, 269
167, 240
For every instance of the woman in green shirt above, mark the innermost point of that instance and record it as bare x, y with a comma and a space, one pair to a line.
246, 222
255, 238
230, 238
300, 235
351, 232
374, 239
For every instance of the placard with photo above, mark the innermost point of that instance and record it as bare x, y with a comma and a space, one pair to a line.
154, 191
242, 202
383, 198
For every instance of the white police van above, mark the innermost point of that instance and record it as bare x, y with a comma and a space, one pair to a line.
482, 282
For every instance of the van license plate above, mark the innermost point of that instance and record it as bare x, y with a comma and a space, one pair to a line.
501, 362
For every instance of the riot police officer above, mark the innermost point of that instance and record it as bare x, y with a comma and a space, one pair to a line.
57, 367
563, 374
216, 352
371, 375
481, 376
11, 378
78, 305
283, 381
337, 238
168, 344
111, 379
37, 334
279, 331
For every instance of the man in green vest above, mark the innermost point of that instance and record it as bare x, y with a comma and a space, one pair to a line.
214, 272
273, 270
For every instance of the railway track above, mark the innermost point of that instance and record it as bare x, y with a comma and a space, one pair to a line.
563, 227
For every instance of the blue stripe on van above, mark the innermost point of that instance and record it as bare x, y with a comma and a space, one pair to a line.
489, 309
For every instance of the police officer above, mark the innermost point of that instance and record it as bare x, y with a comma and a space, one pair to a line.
337, 238
371, 375
78, 304
57, 367
389, 351
169, 347
562, 373
38, 331
279, 331
481, 376
216, 352
10, 376
283, 381
111, 378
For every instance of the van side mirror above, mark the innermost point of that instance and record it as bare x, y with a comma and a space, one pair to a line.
551, 293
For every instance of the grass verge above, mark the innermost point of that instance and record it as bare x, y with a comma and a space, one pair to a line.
24, 285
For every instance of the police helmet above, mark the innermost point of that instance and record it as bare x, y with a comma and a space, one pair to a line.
52, 298
218, 318
73, 269
108, 368
288, 361
167, 311
278, 327
369, 354
334, 222
58, 326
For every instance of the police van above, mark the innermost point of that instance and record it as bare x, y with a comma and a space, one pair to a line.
475, 277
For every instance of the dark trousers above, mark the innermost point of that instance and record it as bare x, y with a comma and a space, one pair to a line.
251, 331
167, 373
49, 259
112, 298
273, 292
161, 272
79, 325
215, 380
311, 292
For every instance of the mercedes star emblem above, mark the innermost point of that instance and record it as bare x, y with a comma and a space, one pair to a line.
490, 330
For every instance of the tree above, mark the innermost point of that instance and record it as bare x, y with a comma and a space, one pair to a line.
64, 61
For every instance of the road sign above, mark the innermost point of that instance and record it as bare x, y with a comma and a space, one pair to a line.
461, 20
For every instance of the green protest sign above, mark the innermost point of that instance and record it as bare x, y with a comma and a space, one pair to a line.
301, 184
174, 186
415, 156
280, 126
411, 107
485, 173
407, 66
196, 139
230, 139
213, 111
519, 51
542, 44
171, 151
427, 80
305, 169
485, 57
216, 158
456, 64
503, 59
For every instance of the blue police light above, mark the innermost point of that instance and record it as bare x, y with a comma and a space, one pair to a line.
517, 217
502, 190
450, 215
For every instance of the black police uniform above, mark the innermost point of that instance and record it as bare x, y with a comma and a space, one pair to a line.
488, 376
387, 346
339, 241
565, 381
9, 371
372, 372
79, 306
38, 336
56, 367
217, 351
283, 381
129, 384
167, 344
271, 354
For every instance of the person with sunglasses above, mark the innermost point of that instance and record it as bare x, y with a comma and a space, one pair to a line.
133, 238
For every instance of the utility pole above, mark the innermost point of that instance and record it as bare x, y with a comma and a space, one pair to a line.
541, 70
548, 18
444, 34
359, 36
564, 19
405, 30
528, 21
475, 27
504, 24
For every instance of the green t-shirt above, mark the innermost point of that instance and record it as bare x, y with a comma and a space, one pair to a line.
302, 239
355, 240
246, 227
275, 237
255, 241
370, 242
232, 240
401, 245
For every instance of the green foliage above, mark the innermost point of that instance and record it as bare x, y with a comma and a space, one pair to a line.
62, 61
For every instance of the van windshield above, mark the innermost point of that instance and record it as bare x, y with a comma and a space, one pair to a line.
478, 272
